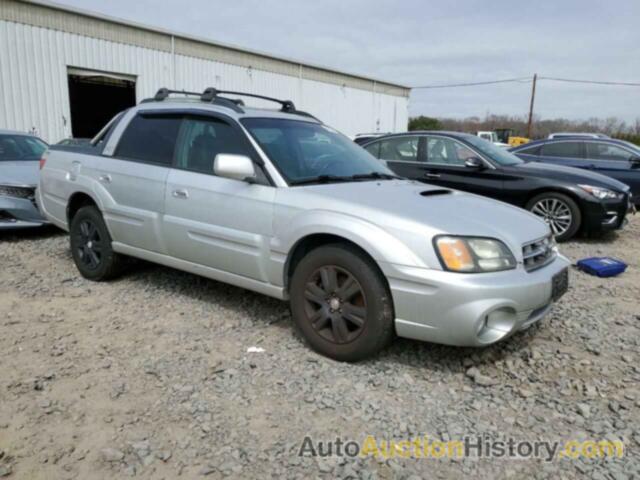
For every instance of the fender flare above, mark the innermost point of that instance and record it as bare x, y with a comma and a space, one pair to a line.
379, 244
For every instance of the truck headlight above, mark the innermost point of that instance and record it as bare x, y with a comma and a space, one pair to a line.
473, 254
600, 193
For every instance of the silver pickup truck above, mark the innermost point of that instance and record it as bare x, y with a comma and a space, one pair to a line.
276, 202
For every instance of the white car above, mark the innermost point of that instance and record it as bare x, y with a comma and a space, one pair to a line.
582, 135
493, 138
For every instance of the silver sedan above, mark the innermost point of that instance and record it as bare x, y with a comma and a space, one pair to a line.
19, 160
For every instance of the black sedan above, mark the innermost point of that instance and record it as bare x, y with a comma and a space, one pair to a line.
569, 199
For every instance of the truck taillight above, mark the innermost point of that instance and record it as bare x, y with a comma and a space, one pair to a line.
43, 160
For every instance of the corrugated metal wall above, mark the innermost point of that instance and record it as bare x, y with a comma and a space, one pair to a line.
34, 89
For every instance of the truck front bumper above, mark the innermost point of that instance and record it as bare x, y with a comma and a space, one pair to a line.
469, 309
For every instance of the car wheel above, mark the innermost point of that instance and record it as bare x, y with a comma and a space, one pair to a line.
559, 211
91, 246
341, 304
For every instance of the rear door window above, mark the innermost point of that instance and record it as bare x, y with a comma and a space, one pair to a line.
150, 139
399, 149
562, 149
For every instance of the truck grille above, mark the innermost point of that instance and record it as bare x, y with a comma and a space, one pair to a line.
538, 254
17, 192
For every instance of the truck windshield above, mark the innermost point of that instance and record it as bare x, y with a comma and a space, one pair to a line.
498, 154
307, 152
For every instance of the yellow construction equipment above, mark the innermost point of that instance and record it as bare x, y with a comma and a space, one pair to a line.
506, 135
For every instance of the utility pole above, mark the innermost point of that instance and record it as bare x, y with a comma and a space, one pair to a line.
533, 96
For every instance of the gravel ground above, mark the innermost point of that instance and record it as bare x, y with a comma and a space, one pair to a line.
149, 376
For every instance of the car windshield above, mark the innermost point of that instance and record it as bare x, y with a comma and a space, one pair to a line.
498, 154
20, 147
307, 152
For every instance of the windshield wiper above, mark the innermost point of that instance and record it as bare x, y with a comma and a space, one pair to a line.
347, 178
376, 176
320, 179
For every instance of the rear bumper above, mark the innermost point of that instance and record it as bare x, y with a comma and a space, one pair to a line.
18, 213
469, 310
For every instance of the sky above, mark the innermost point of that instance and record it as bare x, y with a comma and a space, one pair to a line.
417, 43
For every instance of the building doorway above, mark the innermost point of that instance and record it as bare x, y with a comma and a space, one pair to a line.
95, 98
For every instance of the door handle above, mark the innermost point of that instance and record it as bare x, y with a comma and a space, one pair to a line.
105, 178
180, 194
432, 175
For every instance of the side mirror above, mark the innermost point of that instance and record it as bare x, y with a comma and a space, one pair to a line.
236, 167
635, 161
474, 163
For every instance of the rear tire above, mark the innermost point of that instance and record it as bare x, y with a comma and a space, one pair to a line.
560, 211
91, 246
341, 304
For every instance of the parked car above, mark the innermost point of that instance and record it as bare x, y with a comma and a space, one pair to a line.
279, 203
19, 158
361, 138
617, 159
568, 199
74, 142
577, 134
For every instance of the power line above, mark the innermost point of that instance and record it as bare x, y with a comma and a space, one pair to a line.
528, 80
596, 82
521, 79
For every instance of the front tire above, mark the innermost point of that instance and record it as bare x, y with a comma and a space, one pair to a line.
91, 246
560, 212
341, 304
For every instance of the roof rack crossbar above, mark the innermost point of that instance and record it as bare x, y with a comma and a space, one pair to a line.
163, 93
211, 93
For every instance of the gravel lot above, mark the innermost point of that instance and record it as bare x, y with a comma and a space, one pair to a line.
150, 376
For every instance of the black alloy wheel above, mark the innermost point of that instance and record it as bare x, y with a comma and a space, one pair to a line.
89, 245
336, 305
341, 303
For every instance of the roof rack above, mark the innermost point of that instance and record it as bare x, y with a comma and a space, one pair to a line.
212, 95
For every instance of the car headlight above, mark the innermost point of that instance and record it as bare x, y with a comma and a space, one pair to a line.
16, 191
600, 193
473, 254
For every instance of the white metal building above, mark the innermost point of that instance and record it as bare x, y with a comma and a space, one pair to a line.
64, 72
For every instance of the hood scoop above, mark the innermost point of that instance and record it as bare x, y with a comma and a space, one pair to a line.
437, 191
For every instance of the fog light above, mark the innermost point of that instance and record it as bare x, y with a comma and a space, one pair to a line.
497, 324
482, 324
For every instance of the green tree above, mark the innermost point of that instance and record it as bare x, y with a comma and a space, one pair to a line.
424, 123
